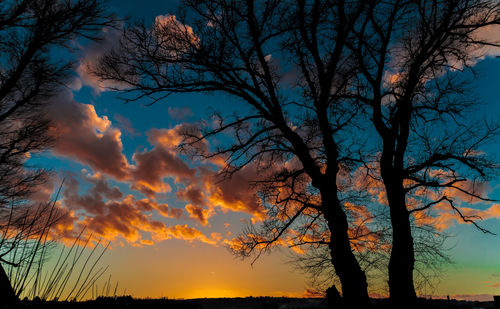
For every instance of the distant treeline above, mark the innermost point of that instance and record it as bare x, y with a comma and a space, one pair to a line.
236, 303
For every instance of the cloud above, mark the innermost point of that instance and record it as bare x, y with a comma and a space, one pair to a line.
186, 233
364, 180
183, 133
197, 185
92, 203
127, 218
441, 216
490, 34
98, 197
310, 293
126, 125
29, 221
162, 208
91, 139
235, 193
101, 186
231, 194
192, 194
445, 217
180, 113
199, 213
121, 218
45, 191
173, 37
152, 166
64, 228
494, 285
162, 161
82, 135
91, 55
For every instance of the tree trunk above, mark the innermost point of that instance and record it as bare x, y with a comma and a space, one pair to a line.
352, 277
402, 260
8, 298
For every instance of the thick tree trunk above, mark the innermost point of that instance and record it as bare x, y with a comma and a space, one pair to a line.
352, 277
402, 260
8, 298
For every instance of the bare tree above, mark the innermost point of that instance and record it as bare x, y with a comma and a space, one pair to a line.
287, 62
410, 54
36, 37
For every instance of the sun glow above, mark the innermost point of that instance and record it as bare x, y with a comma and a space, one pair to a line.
213, 292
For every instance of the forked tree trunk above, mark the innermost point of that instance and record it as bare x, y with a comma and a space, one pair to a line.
8, 298
352, 277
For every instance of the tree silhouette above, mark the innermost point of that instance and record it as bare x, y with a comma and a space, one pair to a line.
410, 55
318, 77
34, 35
288, 63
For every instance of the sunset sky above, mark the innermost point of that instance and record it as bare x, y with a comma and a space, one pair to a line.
168, 222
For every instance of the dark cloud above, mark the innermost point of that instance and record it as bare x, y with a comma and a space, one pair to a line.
82, 135
180, 113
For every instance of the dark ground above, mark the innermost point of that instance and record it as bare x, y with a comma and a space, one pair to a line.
230, 303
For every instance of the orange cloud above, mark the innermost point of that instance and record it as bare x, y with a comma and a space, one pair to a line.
235, 193
441, 215
153, 166
489, 34
365, 179
198, 213
181, 133
158, 163
173, 37
200, 186
310, 293
105, 212
192, 194
91, 139
186, 233
494, 285
29, 221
